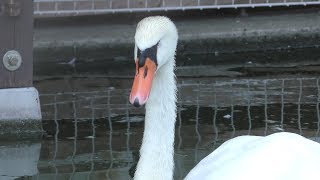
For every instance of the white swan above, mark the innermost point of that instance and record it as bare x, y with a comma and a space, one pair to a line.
279, 156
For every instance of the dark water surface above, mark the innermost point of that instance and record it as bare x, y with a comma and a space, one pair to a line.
92, 132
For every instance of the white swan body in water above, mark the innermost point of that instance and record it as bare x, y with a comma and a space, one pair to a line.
281, 156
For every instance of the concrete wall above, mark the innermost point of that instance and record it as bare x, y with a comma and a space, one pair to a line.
103, 45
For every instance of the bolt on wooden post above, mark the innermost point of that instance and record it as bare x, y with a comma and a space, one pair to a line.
16, 43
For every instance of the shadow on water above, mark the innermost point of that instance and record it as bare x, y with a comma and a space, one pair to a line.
92, 132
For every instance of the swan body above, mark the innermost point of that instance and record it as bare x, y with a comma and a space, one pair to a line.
279, 156
274, 157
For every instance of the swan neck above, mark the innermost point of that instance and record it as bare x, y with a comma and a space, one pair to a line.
157, 150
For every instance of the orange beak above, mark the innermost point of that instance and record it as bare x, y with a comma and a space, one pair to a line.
142, 82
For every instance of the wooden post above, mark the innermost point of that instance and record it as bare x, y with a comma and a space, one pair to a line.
16, 33
20, 113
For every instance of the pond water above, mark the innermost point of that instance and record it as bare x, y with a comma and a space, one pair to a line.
92, 132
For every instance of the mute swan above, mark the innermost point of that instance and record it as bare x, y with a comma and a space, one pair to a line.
279, 156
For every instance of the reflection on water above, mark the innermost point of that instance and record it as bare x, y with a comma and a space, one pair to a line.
94, 133
19, 159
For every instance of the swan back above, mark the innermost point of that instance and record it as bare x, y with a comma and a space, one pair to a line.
279, 156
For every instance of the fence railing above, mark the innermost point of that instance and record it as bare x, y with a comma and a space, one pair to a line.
87, 7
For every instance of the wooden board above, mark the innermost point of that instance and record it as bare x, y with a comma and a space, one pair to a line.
16, 33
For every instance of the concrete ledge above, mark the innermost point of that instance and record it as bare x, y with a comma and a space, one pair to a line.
104, 46
20, 113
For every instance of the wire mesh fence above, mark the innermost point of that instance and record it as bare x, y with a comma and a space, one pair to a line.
203, 93
106, 130
83, 7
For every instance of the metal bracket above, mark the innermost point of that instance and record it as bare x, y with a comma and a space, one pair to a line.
12, 7
12, 60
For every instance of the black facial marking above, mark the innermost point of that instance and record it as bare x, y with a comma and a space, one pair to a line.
145, 72
147, 53
139, 53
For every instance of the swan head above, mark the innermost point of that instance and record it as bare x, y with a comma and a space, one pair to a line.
155, 45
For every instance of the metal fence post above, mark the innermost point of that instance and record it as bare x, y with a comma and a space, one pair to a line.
16, 39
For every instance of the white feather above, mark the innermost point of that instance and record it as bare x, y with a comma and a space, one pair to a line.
280, 156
